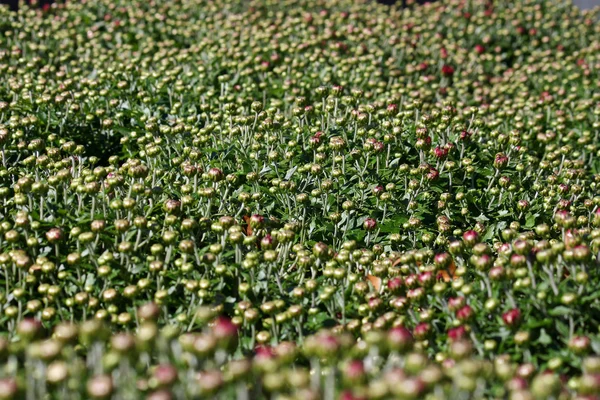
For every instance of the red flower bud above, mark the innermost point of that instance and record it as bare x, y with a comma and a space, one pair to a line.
375, 303
225, 332
314, 141
432, 175
410, 388
327, 345
426, 279
392, 109
440, 153
268, 242
458, 333
100, 386
512, 318
465, 136
447, 70
395, 285
263, 352
465, 313
421, 330
348, 395
400, 339
354, 372
581, 253
321, 250
525, 370
500, 160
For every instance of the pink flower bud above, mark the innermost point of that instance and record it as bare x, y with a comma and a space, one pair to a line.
470, 238
369, 224
455, 303
54, 235
579, 344
442, 260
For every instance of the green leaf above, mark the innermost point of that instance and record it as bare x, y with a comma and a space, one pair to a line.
530, 220
591, 297
596, 346
481, 218
560, 311
544, 337
489, 233
290, 172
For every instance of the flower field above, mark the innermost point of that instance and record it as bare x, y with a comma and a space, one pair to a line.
285, 199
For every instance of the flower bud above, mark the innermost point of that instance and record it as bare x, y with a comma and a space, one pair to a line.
369, 224
458, 333
512, 318
395, 285
215, 175
8, 389
465, 313
100, 387
442, 260
399, 339
421, 330
500, 160
545, 386
209, 382
164, 375
354, 373
29, 329
470, 238
225, 332
579, 344
54, 235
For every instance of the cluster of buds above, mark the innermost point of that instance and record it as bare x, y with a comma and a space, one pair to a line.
258, 200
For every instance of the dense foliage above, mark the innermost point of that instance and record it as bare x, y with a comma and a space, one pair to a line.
300, 200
